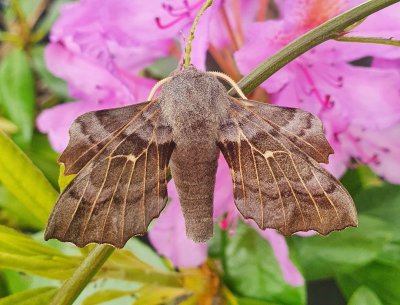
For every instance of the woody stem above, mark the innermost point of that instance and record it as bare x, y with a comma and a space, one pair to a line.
330, 29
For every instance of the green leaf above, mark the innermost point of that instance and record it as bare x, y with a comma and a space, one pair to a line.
155, 295
15, 209
381, 277
17, 94
382, 202
44, 157
55, 84
63, 180
341, 252
25, 181
14, 281
20, 252
104, 296
38, 296
247, 301
364, 296
359, 179
163, 67
252, 271
8, 126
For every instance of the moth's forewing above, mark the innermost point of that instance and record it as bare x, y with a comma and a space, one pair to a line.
273, 153
121, 156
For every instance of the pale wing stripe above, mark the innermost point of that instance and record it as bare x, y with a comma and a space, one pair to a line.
258, 182
97, 197
291, 189
306, 188
326, 195
126, 137
289, 153
279, 191
240, 169
158, 172
125, 197
76, 208
271, 124
112, 199
116, 135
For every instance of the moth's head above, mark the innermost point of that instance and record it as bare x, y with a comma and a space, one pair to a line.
186, 71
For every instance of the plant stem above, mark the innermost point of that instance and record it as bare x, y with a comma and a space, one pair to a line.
330, 29
191, 35
377, 40
72, 287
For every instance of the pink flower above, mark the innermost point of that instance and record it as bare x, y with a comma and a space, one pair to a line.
92, 85
347, 98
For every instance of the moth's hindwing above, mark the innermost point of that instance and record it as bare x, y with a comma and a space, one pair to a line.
120, 157
273, 153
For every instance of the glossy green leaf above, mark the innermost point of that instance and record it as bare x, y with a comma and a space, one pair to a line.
17, 211
38, 296
17, 94
155, 295
104, 296
63, 180
357, 180
25, 181
381, 277
163, 67
382, 202
14, 281
344, 251
20, 252
252, 271
8, 126
364, 296
44, 157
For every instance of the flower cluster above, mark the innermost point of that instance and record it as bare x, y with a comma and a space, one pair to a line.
102, 47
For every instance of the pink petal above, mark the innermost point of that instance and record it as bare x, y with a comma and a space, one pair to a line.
169, 238
379, 149
57, 120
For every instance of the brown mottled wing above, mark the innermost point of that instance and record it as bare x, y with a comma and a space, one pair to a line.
121, 156
273, 153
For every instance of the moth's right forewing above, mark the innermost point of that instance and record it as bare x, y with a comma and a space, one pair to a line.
123, 187
276, 182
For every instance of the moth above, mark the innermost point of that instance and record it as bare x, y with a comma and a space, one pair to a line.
121, 158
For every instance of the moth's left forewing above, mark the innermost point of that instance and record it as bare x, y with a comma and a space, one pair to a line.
273, 153
122, 187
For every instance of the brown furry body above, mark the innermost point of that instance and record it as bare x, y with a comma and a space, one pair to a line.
195, 118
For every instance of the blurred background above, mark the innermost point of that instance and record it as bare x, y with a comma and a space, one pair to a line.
60, 59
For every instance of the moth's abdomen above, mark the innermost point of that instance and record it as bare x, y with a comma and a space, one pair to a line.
193, 169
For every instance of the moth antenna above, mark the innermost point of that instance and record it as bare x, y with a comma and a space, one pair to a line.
156, 86
231, 82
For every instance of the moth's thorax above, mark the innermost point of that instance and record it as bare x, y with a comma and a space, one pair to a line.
194, 103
